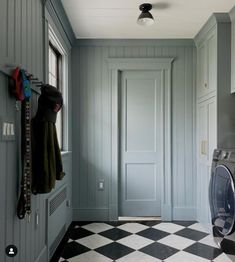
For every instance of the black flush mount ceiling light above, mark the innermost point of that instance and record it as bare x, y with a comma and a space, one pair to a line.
145, 17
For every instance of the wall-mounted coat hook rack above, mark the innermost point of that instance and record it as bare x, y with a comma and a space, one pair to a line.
37, 82
29, 75
8, 68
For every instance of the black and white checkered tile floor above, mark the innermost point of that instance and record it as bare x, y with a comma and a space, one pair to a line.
148, 241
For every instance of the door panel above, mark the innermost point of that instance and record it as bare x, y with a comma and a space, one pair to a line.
140, 176
202, 131
202, 70
141, 143
212, 63
140, 119
212, 128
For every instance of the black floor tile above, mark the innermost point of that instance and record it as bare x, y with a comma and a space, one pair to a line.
204, 251
81, 223
184, 223
114, 250
73, 249
191, 234
114, 223
79, 232
228, 246
153, 234
115, 234
151, 223
159, 250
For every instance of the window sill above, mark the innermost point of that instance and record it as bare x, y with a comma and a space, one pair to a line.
65, 153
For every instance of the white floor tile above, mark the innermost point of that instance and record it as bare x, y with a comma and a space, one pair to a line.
185, 257
176, 242
90, 256
94, 241
135, 241
133, 227
200, 227
138, 257
97, 227
169, 227
208, 240
224, 258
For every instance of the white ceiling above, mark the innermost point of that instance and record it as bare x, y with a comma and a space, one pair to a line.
117, 18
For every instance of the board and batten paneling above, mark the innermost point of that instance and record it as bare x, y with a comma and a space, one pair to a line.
21, 30
22, 43
92, 131
232, 17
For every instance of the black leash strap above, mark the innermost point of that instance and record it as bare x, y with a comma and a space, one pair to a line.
20, 89
24, 203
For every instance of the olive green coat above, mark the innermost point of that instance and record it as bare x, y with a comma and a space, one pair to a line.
46, 157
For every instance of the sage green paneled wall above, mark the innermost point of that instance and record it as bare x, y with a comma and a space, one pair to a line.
92, 121
21, 31
22, 43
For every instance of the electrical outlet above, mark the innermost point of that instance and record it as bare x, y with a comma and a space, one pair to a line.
101, 184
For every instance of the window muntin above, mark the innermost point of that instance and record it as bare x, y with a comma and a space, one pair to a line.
55, 79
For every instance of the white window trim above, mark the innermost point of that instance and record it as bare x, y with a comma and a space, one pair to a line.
59, 46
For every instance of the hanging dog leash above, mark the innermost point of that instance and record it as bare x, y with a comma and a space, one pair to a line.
26, 151
22, 91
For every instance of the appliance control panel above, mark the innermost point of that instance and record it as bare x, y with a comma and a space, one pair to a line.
224, 154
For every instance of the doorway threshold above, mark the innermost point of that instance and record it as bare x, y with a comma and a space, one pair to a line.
139, 218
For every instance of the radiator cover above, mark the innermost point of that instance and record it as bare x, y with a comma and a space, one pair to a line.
56, 219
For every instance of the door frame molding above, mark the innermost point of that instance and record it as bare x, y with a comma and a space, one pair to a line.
115, 67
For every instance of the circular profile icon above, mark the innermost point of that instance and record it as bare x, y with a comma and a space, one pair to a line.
11, 251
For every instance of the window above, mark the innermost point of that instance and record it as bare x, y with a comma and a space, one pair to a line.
58, 77
55, 73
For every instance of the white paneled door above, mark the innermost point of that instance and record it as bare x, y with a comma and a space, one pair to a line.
141, 136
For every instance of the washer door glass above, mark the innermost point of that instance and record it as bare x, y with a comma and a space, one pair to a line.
222, 201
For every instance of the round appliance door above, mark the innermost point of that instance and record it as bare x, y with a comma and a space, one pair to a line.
222, 200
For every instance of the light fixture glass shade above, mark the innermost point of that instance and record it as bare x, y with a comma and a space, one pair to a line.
145, 19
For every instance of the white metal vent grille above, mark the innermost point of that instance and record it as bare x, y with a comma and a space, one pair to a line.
57, 201
57, 240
